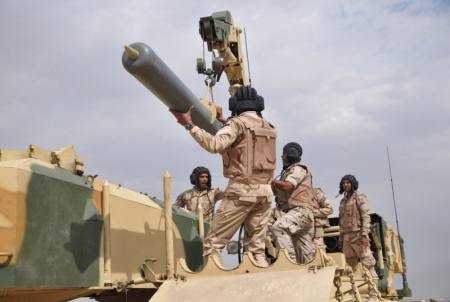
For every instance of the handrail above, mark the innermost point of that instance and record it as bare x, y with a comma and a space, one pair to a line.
9, 255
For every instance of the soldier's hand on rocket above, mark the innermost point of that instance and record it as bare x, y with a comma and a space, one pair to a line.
340, 244
219, 115
183, 118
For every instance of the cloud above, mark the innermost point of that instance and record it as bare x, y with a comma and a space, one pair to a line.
344, 79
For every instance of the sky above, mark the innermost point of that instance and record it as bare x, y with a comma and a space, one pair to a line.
344, 79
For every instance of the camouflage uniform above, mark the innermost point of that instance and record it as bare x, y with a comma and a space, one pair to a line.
294, 231
208, 199
247, 146
275, 214
322, 210
354, 222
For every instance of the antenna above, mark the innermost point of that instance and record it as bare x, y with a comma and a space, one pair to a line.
393, 196
248, 59
405, 281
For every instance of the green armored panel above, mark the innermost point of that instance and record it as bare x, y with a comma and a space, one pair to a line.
187, 224
57, 243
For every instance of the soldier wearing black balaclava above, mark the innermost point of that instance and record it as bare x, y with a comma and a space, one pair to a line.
294, 231
201, 193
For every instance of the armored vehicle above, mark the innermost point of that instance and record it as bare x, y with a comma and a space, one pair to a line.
65, 234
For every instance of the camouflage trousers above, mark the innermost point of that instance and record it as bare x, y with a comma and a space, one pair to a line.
254, 212
294, 232
354, 249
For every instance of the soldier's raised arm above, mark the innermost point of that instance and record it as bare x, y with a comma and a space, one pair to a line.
211, 143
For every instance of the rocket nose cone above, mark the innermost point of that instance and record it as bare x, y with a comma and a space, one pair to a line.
133, 53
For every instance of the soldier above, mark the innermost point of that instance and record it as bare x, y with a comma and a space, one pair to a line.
247, 145
201, 193
354, 224
321, 212
295, 198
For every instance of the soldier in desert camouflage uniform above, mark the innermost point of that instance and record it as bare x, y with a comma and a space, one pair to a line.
294, 231
354, 225
322, 210
201, 193
247, 145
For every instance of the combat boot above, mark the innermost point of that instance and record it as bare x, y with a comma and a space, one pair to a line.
261, 260
214, 252
372, 293
372, 296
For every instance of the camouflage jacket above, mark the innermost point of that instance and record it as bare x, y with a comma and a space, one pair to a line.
323, 210
354, 218
232, 133
191, 199
301, 195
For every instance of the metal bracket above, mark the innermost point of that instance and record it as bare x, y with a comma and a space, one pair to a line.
210, 104
314, 268
62, 157
148, 274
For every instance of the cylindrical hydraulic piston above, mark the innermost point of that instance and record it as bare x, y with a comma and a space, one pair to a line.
145, 65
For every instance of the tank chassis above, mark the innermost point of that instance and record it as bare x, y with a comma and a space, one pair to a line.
67, 235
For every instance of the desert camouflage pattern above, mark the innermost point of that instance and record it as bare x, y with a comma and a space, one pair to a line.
321, 212
301, 195
247, 146
354, 249
323, 209
253, 211
207, 198
294, 232
354, 215
275, 213
354, 222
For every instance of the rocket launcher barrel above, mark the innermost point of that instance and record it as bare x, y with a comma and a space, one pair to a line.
145, 65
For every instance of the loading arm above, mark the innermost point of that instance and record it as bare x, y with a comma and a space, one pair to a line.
219, 33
